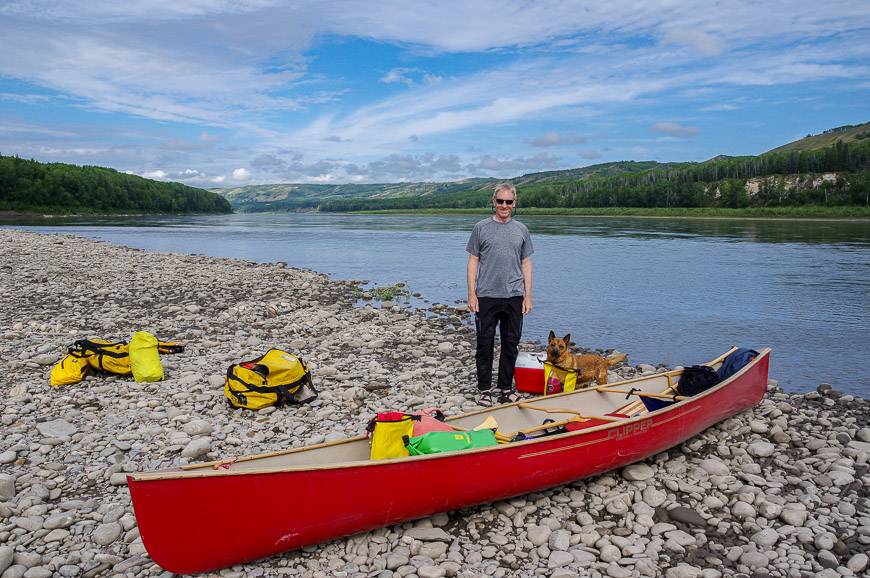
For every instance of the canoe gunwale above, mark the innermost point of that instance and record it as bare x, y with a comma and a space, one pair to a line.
212, 469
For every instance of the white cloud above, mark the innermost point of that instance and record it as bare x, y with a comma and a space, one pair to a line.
554, 138
218, 179
675, 129
398, 75
513, 165
410, 77
706, 44
15, 127
158, 174
241, 174
720, 107
24, 98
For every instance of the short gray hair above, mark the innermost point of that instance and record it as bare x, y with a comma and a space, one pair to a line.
505, 186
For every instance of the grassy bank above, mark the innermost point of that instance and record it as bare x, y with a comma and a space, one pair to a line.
802, 212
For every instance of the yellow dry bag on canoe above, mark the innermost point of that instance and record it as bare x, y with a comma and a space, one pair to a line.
558, 380
275, 378
144, 357
390, 431
70, 369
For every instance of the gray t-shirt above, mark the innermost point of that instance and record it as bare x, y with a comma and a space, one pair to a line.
501, 248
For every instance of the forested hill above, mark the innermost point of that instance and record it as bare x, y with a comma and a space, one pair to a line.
28, 185
849, 133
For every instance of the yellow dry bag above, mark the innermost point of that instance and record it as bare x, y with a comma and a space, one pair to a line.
275, 378
390, 431
144, 358
70, 369
557, 380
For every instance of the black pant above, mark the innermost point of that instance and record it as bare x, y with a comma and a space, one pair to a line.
507, 313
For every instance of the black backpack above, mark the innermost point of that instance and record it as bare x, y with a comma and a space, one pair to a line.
696, 379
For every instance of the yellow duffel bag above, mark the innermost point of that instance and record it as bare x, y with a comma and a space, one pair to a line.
275, 378
104, 355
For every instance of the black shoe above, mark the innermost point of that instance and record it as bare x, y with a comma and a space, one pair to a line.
509, 396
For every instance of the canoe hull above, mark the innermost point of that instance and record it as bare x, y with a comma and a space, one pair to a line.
197, 524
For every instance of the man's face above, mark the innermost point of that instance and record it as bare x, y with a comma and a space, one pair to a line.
504, 204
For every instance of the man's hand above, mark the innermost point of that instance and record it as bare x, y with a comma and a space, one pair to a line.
527, 285
473, 305
527, 305
471, 277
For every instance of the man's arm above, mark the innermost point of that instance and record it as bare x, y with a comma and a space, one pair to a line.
527, 283
471, 276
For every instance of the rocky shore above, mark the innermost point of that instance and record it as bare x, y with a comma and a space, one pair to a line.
782, 490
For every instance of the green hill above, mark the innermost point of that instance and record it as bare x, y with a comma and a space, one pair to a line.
28, 185
846, 134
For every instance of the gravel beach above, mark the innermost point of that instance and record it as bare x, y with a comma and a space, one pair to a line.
782, 490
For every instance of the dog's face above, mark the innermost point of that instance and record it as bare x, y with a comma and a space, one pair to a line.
556, 347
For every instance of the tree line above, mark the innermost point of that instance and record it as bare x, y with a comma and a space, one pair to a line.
28, 185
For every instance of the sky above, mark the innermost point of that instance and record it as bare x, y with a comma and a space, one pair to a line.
224, 93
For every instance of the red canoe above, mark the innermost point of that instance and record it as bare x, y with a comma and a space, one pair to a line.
218, 514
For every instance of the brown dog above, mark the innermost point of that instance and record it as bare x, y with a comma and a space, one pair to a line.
589, 366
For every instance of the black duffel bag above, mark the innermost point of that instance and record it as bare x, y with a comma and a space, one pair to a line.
696, 379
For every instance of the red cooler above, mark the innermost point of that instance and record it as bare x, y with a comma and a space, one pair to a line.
529, 372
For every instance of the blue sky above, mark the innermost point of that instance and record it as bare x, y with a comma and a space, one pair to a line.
218, 93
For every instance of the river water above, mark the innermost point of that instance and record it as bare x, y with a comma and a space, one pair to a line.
674, 291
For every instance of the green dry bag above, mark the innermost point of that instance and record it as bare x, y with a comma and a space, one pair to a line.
447, 441
144, 357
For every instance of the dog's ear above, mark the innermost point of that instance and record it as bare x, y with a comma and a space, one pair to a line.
567, 340
552, 336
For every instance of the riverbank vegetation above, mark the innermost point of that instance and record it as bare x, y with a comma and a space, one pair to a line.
384, 293
31, 186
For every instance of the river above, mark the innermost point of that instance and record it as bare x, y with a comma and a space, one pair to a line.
665, 290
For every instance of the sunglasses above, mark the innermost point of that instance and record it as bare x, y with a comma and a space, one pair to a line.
507, 202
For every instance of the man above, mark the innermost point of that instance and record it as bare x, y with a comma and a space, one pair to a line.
499, 292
